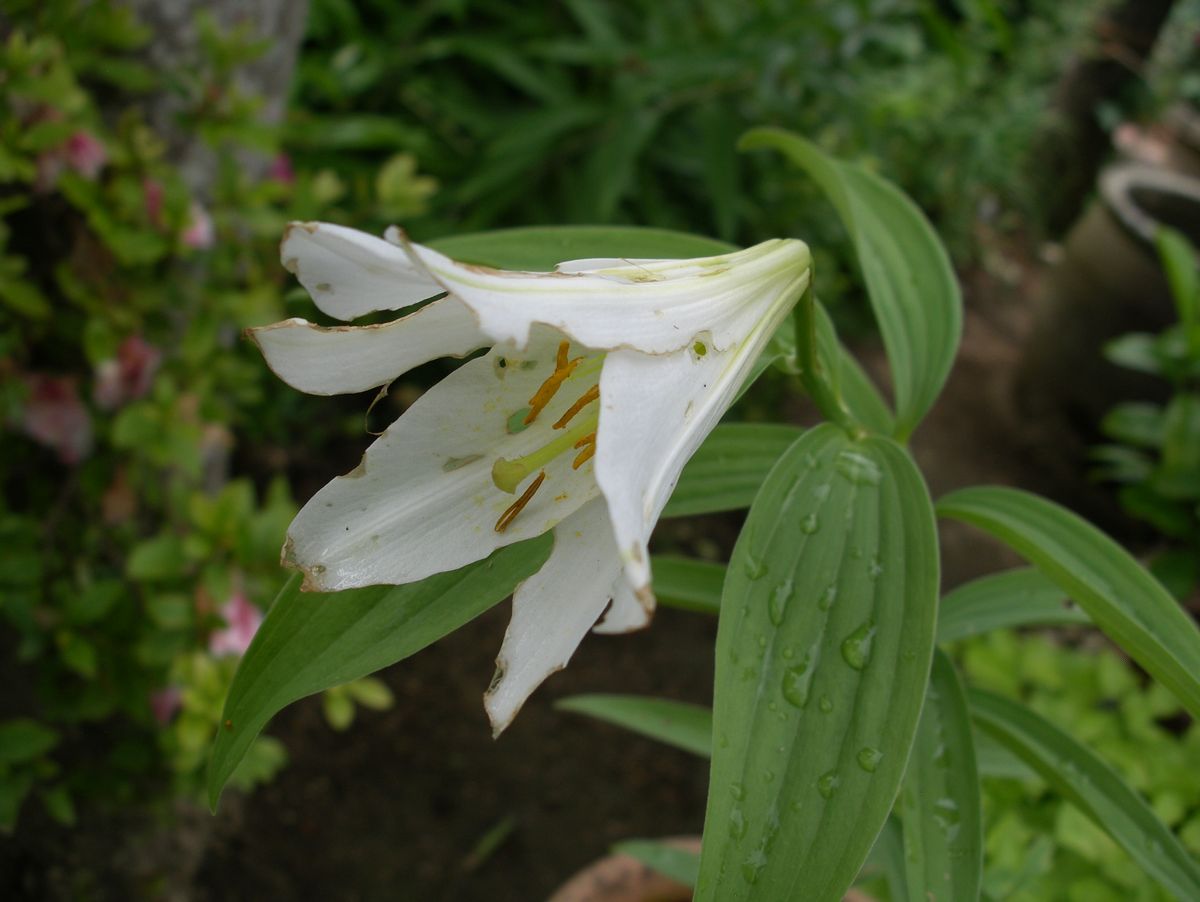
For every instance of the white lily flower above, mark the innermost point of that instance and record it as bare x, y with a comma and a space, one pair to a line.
601, 380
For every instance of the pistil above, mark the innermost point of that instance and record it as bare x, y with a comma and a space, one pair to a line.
508, 474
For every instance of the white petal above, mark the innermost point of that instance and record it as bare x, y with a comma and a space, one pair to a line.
343, 359
553, 610
655, 411
350, 273
593, 264
422, 501
655, 307
628, 612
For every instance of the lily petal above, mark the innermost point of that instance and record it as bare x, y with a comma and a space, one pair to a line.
350, 273
422, 501
553, 610
655, 412
628, 612
338, 360
655, 307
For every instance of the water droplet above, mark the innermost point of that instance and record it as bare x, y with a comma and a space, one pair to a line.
821, 492
869, 758
762, 641
778, 602
858, 468
875, 568
754, 568
789, 652
825, 704
828, 597
753, 865
856, 648
809, 524
797, 681
828, 784
768, 776
946, 813
810, 460
738, 791
737, 823
797, 806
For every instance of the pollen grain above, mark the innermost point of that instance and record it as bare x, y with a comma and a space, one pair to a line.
517, 506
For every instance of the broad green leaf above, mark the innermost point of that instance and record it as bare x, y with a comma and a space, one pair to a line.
310, 642
670, 861
684, 726
727, 470
1120, 595
539, 249
940, 806
1023, 597
909, 279
1179, 261
23, 739
823, 654
996, 762
688, 584
1095, 788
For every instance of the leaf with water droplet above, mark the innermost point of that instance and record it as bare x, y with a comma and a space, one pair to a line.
856, 648
828, 784
868, 758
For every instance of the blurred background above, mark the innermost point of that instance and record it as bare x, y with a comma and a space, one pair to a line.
151, 154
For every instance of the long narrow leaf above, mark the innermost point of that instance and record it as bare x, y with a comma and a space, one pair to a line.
310, 642
1023, 597
940, 807
688, 584
909, 278
1094, 787
1120, 595
728, 469
823, 654
670, 861
684, 726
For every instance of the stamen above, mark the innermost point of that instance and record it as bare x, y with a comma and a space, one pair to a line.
588, 443
548, 389
517, 506
588, 397
508, 473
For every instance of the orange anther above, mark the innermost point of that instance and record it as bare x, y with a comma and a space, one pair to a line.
519, 505
588, 444
548, 389
587, 398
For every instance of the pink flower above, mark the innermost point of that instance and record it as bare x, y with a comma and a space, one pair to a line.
55, 417
82, 151
165, 702
85, 154
281, 170
242, 620
199, 232
129, 375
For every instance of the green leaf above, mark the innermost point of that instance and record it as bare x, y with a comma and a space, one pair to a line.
1136, 423
857, 391
1179, 262
23, 739
887, 858
1120, 595
908, 275
160, 558
940, 806
823, 653
1179, 476
688, 584
540, 249
1095, 788
670, 861
1136, 351
310, 642
996, 762
727, 470
678, 724
1023, 597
